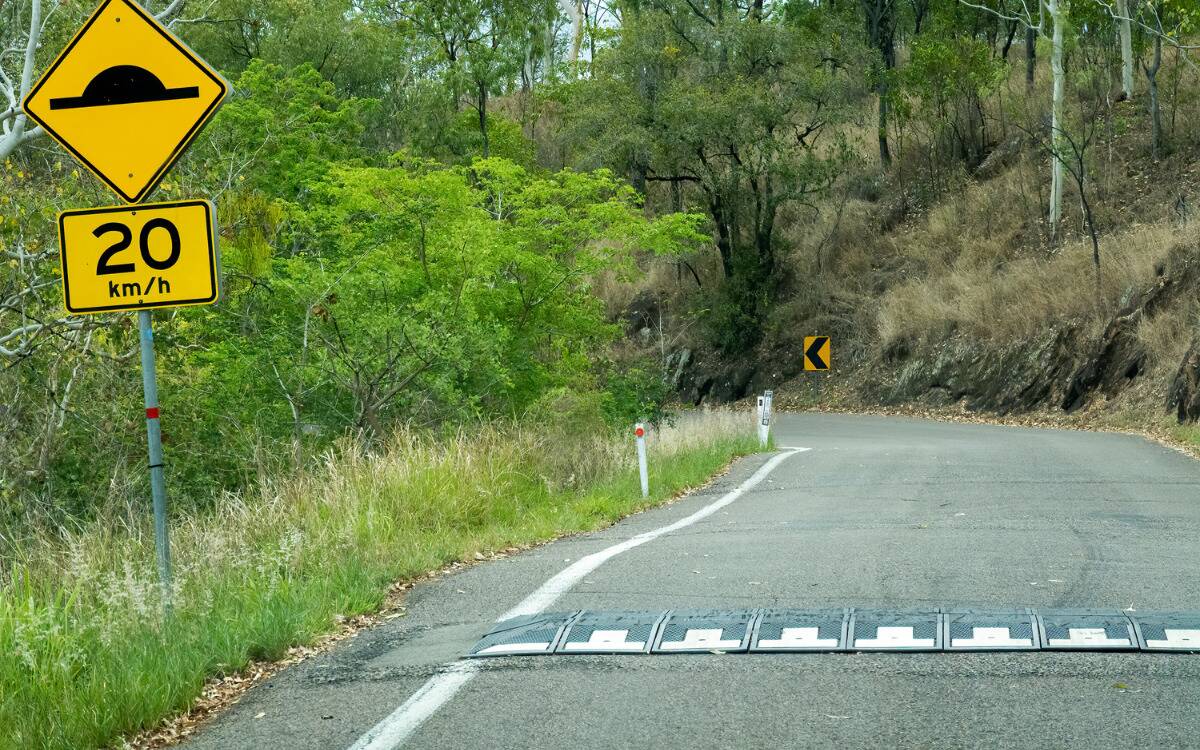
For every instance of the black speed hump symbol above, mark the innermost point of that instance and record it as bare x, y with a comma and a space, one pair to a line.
124, 84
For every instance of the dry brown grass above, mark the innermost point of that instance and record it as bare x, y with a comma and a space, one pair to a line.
1026, 295
1166, 337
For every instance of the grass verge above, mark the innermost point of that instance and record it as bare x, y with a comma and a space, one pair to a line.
86, 655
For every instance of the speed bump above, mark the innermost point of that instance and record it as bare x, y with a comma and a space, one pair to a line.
1087, 629
528, 634
709, 630
1167, 631
801, 630
840, 630
611, 633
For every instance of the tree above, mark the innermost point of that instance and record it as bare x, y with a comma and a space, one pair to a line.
481, 45
449, 292
880, 17
1058, 11
1126, 34
1164, 21
730, 110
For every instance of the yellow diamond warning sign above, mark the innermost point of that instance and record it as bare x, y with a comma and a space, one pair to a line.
138, 257
126, 98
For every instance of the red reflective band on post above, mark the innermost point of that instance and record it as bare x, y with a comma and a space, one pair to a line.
152, 413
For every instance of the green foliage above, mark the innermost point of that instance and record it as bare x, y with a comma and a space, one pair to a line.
412, 292
505, 140
360, 292
344, 44
635, 391
281, 131
941, 93
86, 656
731, 113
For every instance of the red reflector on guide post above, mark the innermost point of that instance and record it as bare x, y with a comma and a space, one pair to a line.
152, 413
639, 432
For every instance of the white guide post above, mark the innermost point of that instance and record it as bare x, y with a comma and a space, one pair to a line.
639, 432
764, 417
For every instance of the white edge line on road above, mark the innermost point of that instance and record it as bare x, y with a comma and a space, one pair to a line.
398, 726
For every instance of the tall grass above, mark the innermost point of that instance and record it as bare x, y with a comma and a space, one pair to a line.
1023, 297
87, 655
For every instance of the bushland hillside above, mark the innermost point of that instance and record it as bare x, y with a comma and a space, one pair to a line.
466, 244
932, 257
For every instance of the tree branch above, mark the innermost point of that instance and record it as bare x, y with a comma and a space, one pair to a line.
1027, 20
168, 13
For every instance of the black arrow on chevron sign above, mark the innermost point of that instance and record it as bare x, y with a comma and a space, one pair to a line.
813, 353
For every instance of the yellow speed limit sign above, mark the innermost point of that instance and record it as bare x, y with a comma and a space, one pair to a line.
138, 257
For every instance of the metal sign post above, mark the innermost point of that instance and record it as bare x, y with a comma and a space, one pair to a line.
640, 433
158, 486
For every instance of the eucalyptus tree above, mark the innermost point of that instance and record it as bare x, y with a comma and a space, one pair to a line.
478, 48
734, 110
1034, 18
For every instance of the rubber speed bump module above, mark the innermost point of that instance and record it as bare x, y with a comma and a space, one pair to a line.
895, 630
700, 631
1087, 629
529, 634
801, 630
1167, 631
984, 630
611, 633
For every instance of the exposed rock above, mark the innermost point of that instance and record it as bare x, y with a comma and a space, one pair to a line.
698, 378
733, 383
1116, 358
1059, 367
1119, 357
680, 362
1184, 396
1015, 378
642, 313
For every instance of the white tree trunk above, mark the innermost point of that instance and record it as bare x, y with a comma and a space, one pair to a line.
573, 9
1126, 48
1058, 17
13, 120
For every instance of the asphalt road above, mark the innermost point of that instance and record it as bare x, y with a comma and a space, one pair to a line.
894, 513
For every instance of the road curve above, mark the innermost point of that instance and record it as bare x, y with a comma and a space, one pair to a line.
881, 512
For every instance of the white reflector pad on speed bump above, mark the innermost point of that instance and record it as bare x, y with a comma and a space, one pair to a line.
992, 638
896, 636
798, 638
